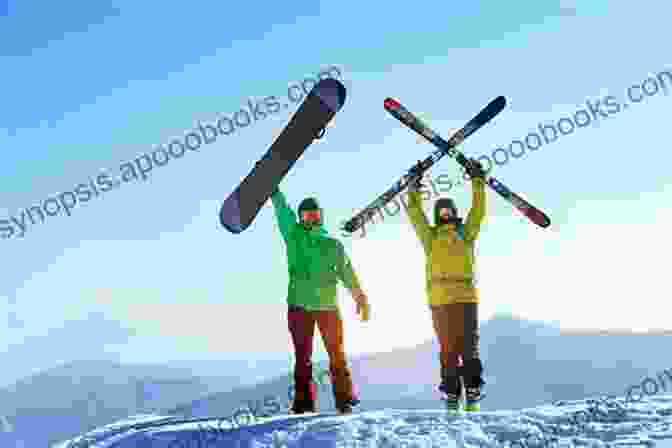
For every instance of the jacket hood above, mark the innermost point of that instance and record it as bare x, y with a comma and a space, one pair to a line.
444, 203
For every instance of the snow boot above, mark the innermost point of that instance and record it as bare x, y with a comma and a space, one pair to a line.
348, 406
451, 401
345, 396
304, 400
451, 392
472, 376
473, 398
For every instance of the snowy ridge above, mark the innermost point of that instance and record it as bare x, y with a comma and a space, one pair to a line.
604, 422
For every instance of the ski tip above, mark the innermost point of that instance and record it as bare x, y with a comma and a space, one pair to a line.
331, 92
499, 102
539, 218
391, 103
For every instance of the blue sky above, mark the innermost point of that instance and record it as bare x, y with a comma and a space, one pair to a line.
109, 81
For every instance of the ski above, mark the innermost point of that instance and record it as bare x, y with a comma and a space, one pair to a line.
418, 170
447, 147
306, 125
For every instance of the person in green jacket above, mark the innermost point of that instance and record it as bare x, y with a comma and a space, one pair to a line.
316, 263
451, 288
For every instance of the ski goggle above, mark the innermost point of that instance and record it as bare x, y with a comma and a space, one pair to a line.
311, 215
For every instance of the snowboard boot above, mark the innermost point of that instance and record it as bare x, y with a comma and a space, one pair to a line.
473, 382
347, 406
343, 389
304, 399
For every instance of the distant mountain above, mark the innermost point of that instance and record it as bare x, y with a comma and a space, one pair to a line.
527, 364
77, 396
249, 368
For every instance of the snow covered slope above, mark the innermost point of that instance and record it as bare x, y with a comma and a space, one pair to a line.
592, 422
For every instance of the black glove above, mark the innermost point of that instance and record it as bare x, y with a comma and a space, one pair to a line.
417, 184
475, 169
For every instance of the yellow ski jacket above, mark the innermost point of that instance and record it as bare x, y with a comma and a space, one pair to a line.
449, 249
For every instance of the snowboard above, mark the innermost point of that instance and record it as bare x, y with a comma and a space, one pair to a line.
446, 147
306, 125
417, 171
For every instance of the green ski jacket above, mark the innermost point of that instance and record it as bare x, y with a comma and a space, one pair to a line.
316, 261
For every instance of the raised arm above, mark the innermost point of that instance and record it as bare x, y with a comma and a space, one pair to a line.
417, 217
283, 213
476, 216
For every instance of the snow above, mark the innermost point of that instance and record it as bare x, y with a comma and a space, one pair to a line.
602, 422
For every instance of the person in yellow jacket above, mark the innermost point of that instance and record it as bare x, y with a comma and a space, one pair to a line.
450, 285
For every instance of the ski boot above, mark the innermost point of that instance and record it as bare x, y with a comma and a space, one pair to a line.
452, 403
473, 397
451, 398
473, 381
451, 387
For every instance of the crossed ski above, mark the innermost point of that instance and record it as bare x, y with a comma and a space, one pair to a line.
444, 148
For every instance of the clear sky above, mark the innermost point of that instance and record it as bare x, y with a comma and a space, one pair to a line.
146, 271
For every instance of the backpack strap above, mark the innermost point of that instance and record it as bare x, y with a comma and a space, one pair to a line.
460, 231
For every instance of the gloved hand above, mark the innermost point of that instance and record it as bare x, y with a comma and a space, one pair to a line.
416, 185
475, 169
363, 307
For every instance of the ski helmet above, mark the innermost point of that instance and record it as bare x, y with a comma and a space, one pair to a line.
310, 204
444, 203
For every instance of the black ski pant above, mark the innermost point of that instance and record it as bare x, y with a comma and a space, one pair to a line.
456, 327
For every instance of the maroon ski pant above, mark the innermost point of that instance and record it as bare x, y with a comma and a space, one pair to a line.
302, 329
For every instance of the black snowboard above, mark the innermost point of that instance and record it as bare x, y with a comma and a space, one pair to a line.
307, 124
